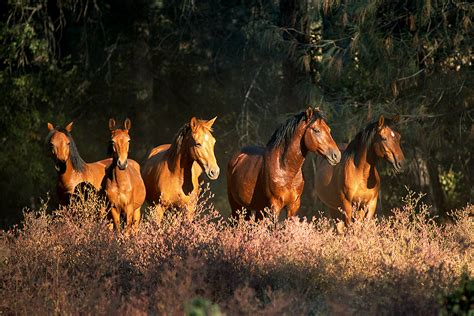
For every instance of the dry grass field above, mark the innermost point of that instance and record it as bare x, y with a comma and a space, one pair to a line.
69, 262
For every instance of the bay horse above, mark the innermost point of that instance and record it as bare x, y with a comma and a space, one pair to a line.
355, 182
71, 168
123, 183
271, 176
171, 171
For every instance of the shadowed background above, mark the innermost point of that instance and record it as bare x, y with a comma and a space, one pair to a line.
251, 63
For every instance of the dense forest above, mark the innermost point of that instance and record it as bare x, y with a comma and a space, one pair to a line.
251, 63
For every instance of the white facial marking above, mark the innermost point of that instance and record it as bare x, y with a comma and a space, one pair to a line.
392, 133
206, 137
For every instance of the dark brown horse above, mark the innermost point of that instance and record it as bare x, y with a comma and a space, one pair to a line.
172, 171
355, 182
71, 169
123, 183
271, 176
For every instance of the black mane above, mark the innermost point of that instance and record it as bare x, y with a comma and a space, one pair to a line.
178, 140
78, 164
364, 138
283, 135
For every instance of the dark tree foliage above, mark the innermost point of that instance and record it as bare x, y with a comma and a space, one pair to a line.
251, 63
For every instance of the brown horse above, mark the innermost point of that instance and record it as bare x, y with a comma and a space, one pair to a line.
271, 176
171, 171
123, 183
355, 182
71, 169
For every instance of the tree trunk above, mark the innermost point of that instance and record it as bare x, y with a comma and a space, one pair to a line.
428, 180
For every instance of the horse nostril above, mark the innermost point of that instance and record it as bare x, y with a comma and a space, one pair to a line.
399, 165
214, 173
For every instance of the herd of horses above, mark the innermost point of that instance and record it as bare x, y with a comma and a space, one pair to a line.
258, 178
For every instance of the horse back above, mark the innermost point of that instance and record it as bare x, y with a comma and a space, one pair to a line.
158, 149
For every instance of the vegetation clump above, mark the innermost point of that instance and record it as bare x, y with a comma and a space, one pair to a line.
70, 262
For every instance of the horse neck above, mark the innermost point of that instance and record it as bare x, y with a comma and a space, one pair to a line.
119, 176
181, 163
365, 160
291, 160
70, 174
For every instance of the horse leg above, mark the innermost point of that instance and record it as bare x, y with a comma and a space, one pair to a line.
372, 207
347, 207
136, 220
293, 208
116, 217
275, 209
235, 208
336, 215
160, 212
129, 218
190, 207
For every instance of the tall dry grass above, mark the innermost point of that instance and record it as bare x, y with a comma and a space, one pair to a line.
69, 262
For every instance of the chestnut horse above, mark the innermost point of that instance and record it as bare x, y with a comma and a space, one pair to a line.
171, 171
123, 183
355, 182
271, 176
71, 169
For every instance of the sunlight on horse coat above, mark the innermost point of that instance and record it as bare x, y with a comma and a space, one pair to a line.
123, 183
171, 172
271, 176
71, 168
355, 182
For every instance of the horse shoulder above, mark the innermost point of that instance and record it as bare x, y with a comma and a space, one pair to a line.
134, 164
95, 172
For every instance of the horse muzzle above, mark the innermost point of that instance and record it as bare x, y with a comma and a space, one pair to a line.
122, 165
213, 174
334, 157
398, 165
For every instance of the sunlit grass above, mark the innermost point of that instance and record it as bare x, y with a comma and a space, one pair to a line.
71, 263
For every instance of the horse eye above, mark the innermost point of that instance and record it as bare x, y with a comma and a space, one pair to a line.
384, 138
198, 145
316, 130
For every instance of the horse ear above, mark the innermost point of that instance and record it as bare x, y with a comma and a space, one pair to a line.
381, 121
396, 119
309, 114
69, 127
194, 123
127, 124
111, 124
50, 126
210, 122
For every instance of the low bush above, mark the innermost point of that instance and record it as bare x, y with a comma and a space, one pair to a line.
70, 262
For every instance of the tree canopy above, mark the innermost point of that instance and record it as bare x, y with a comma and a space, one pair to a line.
251, 63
